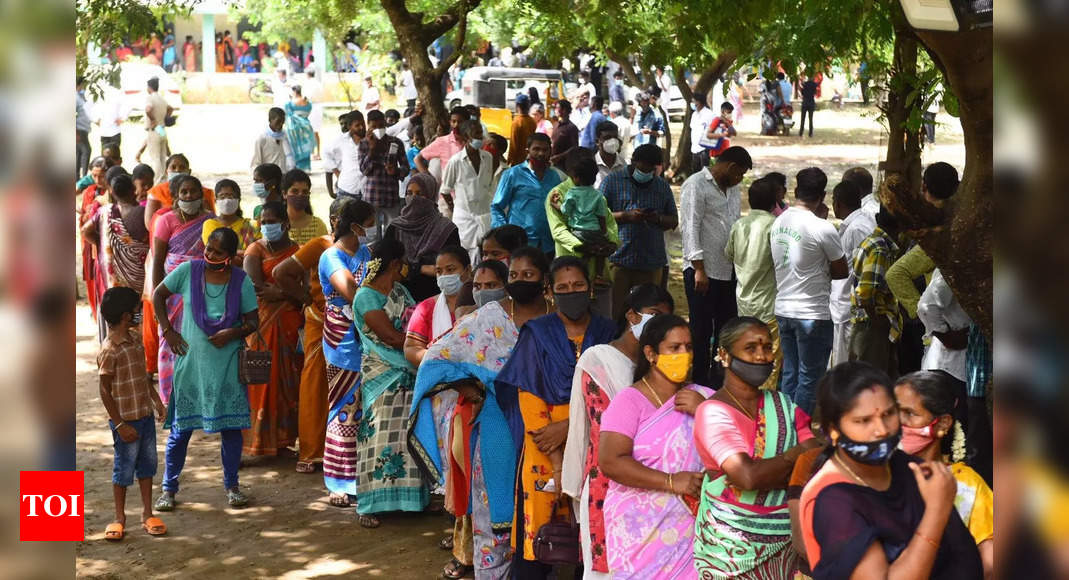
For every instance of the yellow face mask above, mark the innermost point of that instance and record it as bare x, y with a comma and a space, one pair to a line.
675, 366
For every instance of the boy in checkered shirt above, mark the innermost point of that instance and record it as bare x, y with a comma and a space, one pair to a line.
130, 400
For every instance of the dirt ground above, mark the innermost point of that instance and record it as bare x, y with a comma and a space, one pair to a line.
289, 530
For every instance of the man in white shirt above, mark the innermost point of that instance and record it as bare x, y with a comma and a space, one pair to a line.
332, 154
408, 87
808, 255
369, 101
709, 205
312, 90
466, 187
280, 89
585, 87
608, 146
623, 125
857, 225
663, 81
349, 177
581, 114
110, 114
701, 117
861, 177
948, 324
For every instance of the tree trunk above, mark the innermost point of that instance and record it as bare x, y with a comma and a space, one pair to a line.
625, 67
708, 78
903, 145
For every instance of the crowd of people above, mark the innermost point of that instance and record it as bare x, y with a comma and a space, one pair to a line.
482, 325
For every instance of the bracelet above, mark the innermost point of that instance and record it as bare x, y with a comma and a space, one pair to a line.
671, 488
927, 539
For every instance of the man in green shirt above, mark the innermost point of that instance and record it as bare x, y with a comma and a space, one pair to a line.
749, 248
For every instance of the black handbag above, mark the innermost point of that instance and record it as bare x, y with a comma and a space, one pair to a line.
254, 366
169, 121
558, 541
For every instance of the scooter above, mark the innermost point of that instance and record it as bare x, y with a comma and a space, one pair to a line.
774, 120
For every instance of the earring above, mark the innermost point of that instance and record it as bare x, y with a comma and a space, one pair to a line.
941, 433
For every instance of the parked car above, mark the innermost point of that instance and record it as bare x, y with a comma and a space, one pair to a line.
515, 80
133, 81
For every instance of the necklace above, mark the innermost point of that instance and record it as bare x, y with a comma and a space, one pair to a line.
857, 477
653, 392
739, 404
220, 293
512, 308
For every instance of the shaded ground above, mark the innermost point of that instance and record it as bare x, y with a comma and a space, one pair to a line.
290, 531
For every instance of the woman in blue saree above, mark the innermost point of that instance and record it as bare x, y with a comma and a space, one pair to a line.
299, 129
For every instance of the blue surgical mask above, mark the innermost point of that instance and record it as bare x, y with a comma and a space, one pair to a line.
476, 143
272, 232
642, 176
636, 329
450, 284
260, 190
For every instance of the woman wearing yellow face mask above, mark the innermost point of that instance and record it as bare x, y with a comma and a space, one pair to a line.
748, 440
648, 454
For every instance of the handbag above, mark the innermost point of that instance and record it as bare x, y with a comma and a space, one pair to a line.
254, 366
558, 541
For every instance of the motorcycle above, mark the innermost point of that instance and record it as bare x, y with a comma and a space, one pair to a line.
775, 120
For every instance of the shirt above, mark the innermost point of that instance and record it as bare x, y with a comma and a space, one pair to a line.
750, 250
381, 188
268, 149
332, 153
408, 85
565, 137
616, 93
940, 311
581, 117
111, 113
523, 126
82, 122
875, 255
912, 265
855, 228
350, 177
787, 89
624, 124
706, 216
565, 242
520, 200
472, 194
641, 244
589, 138
648, 120
123, 359
370, 99
809, 93
443, 149
699, 124
605, 169
803, 247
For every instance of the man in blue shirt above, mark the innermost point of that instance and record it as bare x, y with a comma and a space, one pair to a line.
616, 91
648, 123
521, 194
588, 138
82, 125
643, 206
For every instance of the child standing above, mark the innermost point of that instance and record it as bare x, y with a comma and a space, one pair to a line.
716, 137
129, 398
272, 146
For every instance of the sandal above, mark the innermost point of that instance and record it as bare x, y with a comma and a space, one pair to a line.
165, 503
369, 521
234, 498
114, 532
446, 543
340, 500
455, 570
154, 526
305, 467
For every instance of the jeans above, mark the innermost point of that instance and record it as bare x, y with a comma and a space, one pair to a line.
82, 150
801, 126
806, 347
137, 457
929, 126
709, 313
115, 140
178, 443
383, 217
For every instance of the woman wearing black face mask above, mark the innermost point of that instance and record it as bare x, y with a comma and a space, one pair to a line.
749, 440
871, 511
534, 391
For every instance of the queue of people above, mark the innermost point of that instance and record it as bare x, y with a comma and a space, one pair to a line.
500, 343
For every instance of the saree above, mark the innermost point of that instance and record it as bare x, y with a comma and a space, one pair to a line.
388, 479
601, 373
534, 389
648, 532
90, 251
478, 347
745, 533
300, 134
273, 405
312, 411
122, 260
184, 244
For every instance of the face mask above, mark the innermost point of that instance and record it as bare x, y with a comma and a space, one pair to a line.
450, 284
675, 367
573, 305
189, 207
636, 329
753, 374
173, 174
869, 452
642, 176
273, 232
693, 107
135, 318
476, 143
915, 439
611, 146
379, 133
216, 265
260, 190
537, 164
484, 297
298, 202
227, 206
524, 292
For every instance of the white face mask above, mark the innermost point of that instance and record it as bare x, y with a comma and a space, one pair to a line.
636, 329
227, 206
379, 133
611, 146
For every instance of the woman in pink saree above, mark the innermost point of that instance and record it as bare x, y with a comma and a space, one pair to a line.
647, 451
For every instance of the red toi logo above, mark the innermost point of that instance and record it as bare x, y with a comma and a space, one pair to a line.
51, 506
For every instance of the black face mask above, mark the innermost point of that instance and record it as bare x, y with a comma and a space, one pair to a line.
524, 292
573, 305
869, 452
753, 374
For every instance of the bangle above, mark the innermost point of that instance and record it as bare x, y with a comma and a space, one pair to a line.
120, 424
671, 488
927, 539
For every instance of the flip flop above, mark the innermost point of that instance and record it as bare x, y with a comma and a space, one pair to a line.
305, 467
370, 522
154, 526
114, 532
455, 570
341, 501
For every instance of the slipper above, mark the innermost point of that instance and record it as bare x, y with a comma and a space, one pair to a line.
305, 467
369, 522
446, 543
154, 526
455, 570
341, 501
114, 532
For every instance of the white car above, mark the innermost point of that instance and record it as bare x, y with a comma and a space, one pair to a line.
133, 82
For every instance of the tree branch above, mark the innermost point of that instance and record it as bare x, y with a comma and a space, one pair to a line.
462, 31
455, 14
